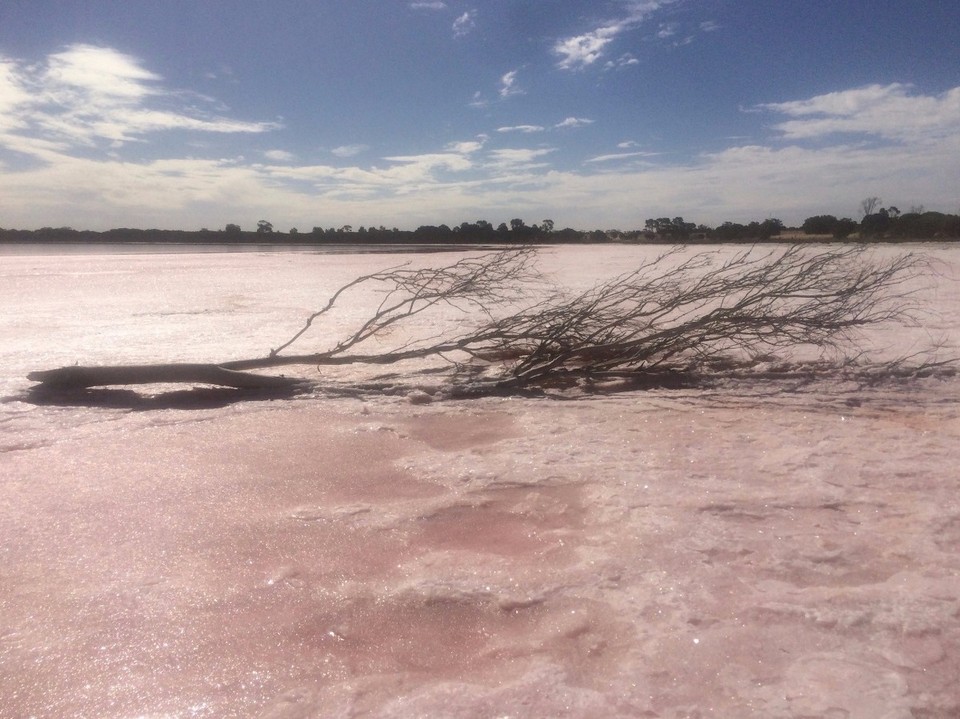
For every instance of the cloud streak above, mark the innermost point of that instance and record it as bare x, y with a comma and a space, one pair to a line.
464, 24
577, 52
892, 112
508, 85
349, 150
574, 122
522, 128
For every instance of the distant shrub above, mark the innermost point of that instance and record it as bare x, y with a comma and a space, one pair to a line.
820, 225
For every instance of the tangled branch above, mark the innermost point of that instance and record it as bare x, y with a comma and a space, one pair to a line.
477, 285
665, 313
672, 313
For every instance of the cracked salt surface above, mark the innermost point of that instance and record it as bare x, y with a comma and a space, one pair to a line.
743, 552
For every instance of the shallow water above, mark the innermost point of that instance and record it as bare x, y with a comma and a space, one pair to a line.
748, 551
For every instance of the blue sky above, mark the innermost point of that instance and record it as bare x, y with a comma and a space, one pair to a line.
593, 113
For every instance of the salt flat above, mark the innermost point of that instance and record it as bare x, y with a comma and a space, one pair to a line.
753, 550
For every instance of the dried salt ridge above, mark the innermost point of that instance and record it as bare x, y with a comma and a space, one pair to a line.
746, 551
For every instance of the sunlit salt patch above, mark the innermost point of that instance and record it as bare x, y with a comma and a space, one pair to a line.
824, 684
511, 522
286, 576
456, 632
544, 690
330, 514
890, 606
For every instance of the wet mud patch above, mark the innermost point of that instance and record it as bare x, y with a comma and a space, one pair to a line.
455, 431
451, 635
511, 522
829, 543
947, 538
334, 463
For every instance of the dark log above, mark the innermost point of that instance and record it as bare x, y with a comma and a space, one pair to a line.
79, 377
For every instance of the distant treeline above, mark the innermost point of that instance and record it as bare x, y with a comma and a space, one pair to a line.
885, 224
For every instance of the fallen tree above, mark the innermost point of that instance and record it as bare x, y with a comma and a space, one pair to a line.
672, 314
78, 377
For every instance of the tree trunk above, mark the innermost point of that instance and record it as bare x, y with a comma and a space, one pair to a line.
83, 377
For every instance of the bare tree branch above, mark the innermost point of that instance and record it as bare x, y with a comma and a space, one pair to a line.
672, 313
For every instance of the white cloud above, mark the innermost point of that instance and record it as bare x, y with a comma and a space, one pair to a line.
508, 88
709, 26
625, 60
467, 147
434, 5
619, 156
422, 165
626, 145
94, 97
570, 122
739, 184
508, 85
349, 150
279, 155
574, 122
464, 24
522, 128
517, 158
13, 96
579, 51
96, 73
582, 50
890, 112
667, 30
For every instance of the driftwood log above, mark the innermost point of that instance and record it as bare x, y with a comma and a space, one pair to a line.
70, 378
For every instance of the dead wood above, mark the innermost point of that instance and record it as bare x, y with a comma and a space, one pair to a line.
673, 316
78, 377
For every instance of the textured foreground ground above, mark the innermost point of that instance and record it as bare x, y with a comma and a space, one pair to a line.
718, 556
746, 552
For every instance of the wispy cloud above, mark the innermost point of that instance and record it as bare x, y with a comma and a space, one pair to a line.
579, 51
625, 60
522, 128
667, 30
464, 24
467, 147
619, 156
508, 85
508, 88
349, 150
14, 96
570, 122
421, 167
516, 158
892, 112
574, 122
429, 5
279, 155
